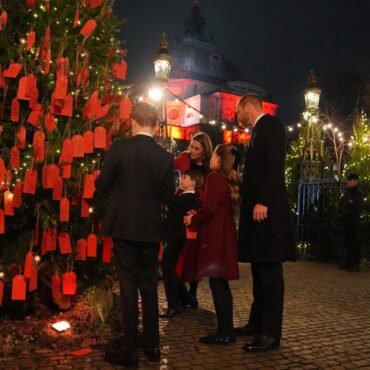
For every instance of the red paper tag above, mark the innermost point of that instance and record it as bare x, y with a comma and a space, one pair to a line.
78, 146
17, 195
55, 286
81, 248
33, 280
39, 145
52, 175
89, 142
49, 122
61, 88
30, 3
22, 88
14, 158
13, 70
1, 292
58, 188
33, 118
85, 209
64, 210
30, 180
2, 222
3, 19
62, 67
100, 137
31, 39
89, 187
119, 70
67, 151
66, 109
8, 203
69, 283
107, 248
2, 170
92, 4
88, 28
125, 109
92, 245
15, 108
19, 288
76, 19
66, 171
28, 265
64, 243
47, 63
21, 137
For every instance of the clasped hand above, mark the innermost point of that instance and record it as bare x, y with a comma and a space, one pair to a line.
188, 217
259, 212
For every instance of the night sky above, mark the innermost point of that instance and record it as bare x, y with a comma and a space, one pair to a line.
273, 43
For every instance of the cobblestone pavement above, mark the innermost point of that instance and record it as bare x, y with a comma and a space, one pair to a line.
326, 326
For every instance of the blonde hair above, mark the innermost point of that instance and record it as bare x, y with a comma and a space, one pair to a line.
230, 160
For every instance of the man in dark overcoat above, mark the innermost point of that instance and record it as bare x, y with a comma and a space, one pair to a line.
266, 232
139, 175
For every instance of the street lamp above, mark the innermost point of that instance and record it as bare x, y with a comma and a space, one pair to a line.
312, 94
162, 61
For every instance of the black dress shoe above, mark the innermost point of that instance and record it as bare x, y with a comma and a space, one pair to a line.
354, 269
218, 339
262, 343
245, 331
170, 312
189, 301
130, 361
153, 354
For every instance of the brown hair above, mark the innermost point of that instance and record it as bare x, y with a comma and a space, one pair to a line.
252, 99
230, 160
196, 176
206, 143
145, 114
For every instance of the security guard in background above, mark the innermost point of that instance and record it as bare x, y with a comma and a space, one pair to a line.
350, 214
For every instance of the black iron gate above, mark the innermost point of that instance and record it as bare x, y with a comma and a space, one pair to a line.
318, 229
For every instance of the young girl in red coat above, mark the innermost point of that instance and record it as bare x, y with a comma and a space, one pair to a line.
217, 255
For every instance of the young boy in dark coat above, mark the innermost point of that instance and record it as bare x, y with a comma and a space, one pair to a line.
175, 237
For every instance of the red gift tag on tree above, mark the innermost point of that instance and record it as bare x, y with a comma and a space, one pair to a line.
44, 176
100, 137
78, 146
22, 89
76, 18
21, 137
66, 171
31, 39
119, 70
92, 245
58, 188
28, 264
47, 63
64, 210
61, 88
1, 292
17, 195
33, 280
88, 142
64, 243
33, 118
8, 203
39, 145
19, 288
14, 158
15, 108
89, 187
49, 122
13, 70
55, 286
3, 19
67, 151
125, 109
2, 222
107, 248
69, 283
30, 3
85, 213
88, 28
30, 180
92, 4
2, 170
52, 175
81, 248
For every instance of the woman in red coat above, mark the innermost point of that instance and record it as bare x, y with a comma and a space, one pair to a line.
197, 157
217, 247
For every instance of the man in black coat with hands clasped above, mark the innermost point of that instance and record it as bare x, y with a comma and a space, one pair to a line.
266, 233
139, 175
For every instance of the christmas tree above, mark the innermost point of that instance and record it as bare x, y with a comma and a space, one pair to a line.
60, 104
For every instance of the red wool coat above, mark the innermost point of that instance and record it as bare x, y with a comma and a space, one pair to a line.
217, 246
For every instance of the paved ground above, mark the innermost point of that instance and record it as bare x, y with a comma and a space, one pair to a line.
326, 326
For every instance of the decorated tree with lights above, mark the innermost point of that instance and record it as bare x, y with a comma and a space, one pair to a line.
60, 106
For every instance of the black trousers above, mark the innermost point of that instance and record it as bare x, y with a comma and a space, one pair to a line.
223, 301
174, 288
352, 246
266, 316
137, 264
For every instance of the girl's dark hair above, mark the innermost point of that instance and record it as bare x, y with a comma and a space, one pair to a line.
206, 143
230, 161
